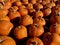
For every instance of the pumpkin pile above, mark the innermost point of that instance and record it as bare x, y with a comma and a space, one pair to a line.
29, 22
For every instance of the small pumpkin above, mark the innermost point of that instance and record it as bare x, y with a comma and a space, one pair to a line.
38, 14
5, 18
31, 11
51, 39
7, 5
55, 18
3, 12
39, 21
51, 5
47, 11
55, 28
44, 2
5, 27
36, 30
38, 6
18, 3
32, 1
34, 41
6, 40
23, 12
20, 32
26, 20
39, 1
29, 6
25, 2
14, 14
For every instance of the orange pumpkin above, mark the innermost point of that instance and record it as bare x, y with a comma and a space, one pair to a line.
39, 21
3, 12
7, 5
20, 32
5, 40
47, 11
29, 6
55, 18
38, 6
32, 1
26, 20
36, 30
25, 1
34, 41
39, 1
44, 2
5, 27
38, 14
55, 28
18, 3
51, 5
51, 39
23, 12
5, 18
13, 15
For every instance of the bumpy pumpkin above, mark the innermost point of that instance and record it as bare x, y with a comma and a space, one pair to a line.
55, 18
5, 18
5, 40
20, 32
3, 12
55, 28
51, 39
5, 27
39, 21
26, 20
34, 41
36, 30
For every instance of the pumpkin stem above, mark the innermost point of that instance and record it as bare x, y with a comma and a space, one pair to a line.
58, 13
19, 27
1, 41
34, 43
36, 25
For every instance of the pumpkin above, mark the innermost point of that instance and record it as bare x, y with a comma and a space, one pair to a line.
36, 30
5, 27
29, 6
5, 18
38, 14
47, 11
51, 5
15, 8
18, 3
38, 6
55, 28
51, 39
6, 40
44, 2
34, 41
55, 18
26, 20
25, 1
3, 12
20, 32
39, 1
23, 12
14, 14
31, 11
32, 1
7, 5
39, 21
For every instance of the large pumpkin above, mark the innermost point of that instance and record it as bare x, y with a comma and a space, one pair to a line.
34, 41
5, 40
5, 27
